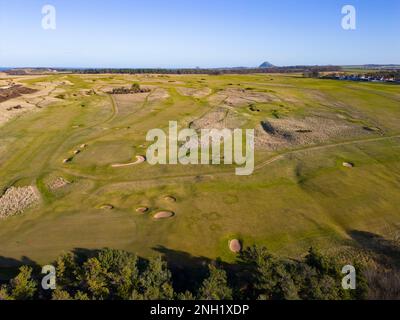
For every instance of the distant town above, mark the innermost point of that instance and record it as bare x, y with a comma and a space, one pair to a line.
388, 77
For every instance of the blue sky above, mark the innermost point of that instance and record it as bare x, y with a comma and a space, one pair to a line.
204, 33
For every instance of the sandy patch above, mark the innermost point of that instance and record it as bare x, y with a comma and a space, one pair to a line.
158, 94
348, 165
40, 97
16, 200
241, 97
170, 198
124, 99
58, 183
163, 215
13, 108
142, 210
139, 160
235, 246
275, 134
219, 118
106, 207
193, 92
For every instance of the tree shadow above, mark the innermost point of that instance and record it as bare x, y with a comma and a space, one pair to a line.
387, 251
188, 272
384, 281
9, 266
82, 254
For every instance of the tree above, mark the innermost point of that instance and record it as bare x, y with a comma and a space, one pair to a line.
313, 73
135, 87
67, 270
4, 293
120, 271
321, 263
155, 282
94, 279
61, 295
215, 287
22, 286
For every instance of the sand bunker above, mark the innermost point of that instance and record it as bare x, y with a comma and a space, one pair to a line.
17, 200
163, 215
275, 134
106, 207
67, 160
142, 209
139, 160
348, 165
170, 198
235, 246
193, 92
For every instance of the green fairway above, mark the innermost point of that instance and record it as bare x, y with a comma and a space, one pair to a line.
299, 194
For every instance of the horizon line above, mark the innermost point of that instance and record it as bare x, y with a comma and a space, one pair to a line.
201, 68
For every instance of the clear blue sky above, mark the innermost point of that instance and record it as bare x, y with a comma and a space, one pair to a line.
190, 33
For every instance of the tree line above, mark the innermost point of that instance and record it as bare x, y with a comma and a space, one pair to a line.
135, 88
211, 71
118, 275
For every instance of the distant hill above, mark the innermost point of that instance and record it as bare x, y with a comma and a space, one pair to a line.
266, 64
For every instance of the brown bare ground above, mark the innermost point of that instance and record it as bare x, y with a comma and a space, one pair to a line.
58, 183
14, 92
35, 99
241, 97
194, 92
275, 134
158, 94
219, 118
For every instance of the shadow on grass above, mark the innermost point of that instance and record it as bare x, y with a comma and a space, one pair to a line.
9, 266
187, 271
387, 251
383, 280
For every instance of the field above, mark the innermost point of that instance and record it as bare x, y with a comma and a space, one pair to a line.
300, 194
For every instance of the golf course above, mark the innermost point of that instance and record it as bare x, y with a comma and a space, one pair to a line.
73, 172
